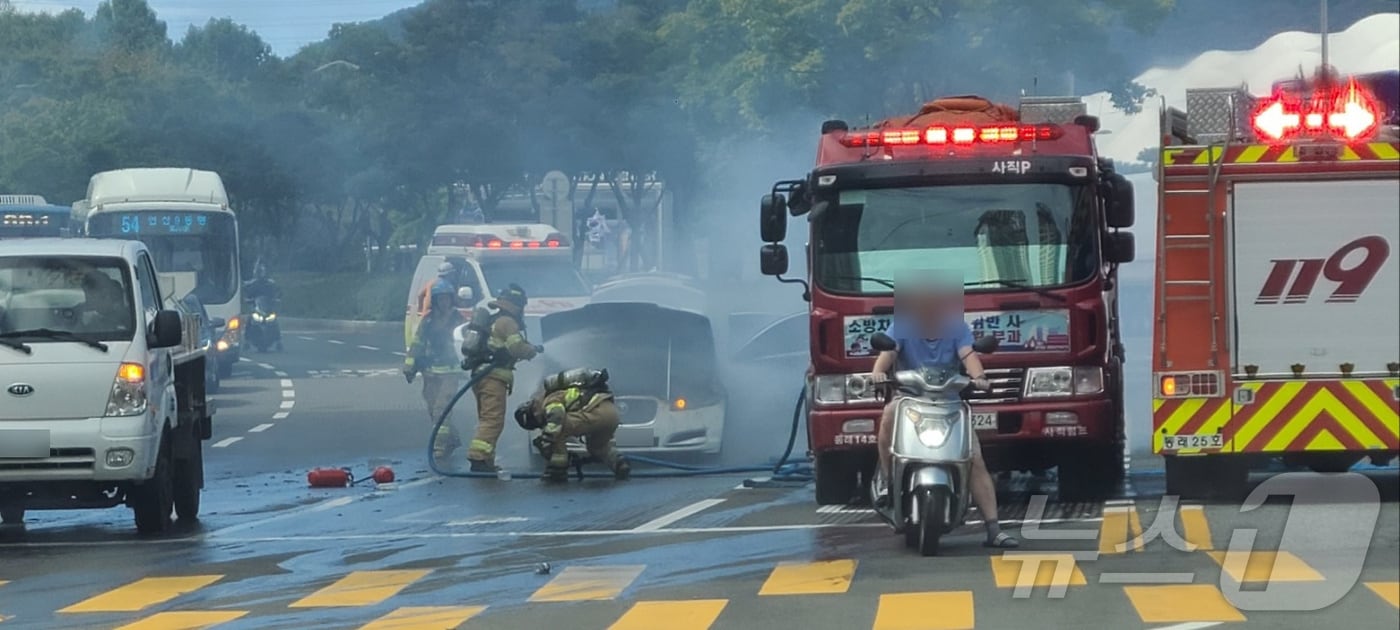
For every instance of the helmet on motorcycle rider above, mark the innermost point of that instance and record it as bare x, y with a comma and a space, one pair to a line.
260, 271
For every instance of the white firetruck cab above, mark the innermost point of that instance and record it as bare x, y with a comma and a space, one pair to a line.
491, 257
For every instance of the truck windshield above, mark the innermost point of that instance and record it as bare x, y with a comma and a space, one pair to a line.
539, 277
1030, 235
181, 241
51, 299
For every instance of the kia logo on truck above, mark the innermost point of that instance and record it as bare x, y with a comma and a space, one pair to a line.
1304, 273
21, 389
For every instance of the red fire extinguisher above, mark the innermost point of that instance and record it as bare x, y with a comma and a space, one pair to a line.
329, 477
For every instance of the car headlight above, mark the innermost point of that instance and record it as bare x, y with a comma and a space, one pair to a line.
1044, 382
930, 424
832, 389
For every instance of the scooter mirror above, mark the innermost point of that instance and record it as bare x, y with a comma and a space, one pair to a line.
883, 343
986, 345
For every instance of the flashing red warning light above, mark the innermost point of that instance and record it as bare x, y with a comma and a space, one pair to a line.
958, 135
1348, 113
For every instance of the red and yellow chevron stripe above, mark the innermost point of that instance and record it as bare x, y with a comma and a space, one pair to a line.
1271, 154
1288, 417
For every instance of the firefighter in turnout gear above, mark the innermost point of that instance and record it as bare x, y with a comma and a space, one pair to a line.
496, 352
434, 355
574, 403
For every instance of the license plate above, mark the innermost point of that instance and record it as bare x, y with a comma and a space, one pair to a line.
24, 444
984, 421
635, 437
1197, 440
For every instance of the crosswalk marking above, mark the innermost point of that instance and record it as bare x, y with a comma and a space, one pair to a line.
1183, 603
1388, 591
1265, 566
945, 610
142, 594
185, 620
424, 618
584, 583
1195, 528
693, 614
1056, 570
361, 588
809, 578
1120, 527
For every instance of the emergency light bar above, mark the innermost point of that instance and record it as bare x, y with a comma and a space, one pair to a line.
1349, 113
489, 241
957, 135
24, 219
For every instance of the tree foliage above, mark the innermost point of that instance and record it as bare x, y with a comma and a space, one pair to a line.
380, 131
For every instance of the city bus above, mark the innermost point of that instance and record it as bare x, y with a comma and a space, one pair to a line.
30, 216
183, 217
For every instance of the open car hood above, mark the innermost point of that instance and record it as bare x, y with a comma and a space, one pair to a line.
639, 319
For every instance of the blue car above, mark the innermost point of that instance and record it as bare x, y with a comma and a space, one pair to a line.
209, 330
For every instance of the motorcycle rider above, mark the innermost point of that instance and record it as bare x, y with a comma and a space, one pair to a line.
574, 403
434, 354
505, 346
930, 332
261, 285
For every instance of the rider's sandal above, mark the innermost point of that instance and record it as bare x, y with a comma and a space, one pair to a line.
1002, 541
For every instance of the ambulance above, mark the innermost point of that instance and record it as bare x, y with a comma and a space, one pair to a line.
491, 257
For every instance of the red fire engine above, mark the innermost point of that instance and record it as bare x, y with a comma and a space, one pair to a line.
1277, 283
1018, 202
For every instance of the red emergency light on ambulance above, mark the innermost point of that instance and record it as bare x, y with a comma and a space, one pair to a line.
1019, 203
1277, 282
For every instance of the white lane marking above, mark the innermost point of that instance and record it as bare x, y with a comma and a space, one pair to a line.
288, 404
336, 342
368, 348
260, 428
1193, 625
287, 393
281, 415
1039, 521
266, 366
488, 521
226, 442
315, 507
244, 360
286, 382
402, 354
305, 338
1120, 502
280, 373
843, 509
574, 533
689, 510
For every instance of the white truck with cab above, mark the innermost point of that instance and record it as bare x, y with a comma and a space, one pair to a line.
102, 383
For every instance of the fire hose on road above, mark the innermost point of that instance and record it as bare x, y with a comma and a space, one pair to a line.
785, 470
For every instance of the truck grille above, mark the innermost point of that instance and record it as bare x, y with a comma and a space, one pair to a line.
1006, 386
59, 459
636, 410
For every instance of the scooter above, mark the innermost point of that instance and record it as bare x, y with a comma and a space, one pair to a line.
929, 494
263, 329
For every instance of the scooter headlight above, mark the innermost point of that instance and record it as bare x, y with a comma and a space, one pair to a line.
930, 424
257, 317
272, 317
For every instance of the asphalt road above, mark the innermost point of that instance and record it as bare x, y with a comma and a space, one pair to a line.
651, 554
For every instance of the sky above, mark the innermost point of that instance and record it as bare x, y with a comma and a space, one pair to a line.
286, 25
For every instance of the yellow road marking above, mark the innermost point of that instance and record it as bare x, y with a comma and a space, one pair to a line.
424, 618
1388, 591
142, 594
809, 578
946, 610
1265, 566
1012, 570
185, 620
1196, 528
1181, 603
576, 584
696, 614
1116, 530
361, 588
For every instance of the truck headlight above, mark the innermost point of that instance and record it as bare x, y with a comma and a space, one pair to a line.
1045, 382
128, 396
931, 425
834, 389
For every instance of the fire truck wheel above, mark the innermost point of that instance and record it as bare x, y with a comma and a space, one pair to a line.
1092, 474
836, 479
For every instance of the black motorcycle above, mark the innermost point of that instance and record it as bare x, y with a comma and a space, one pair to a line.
263, 329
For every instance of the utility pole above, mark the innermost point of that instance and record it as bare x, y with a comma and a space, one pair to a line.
1325, 69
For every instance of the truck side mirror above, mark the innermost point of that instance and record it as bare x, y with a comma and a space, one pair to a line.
166, 331
1119, 204
772, 215
986, 345
1120, 247
882, 342
773, 259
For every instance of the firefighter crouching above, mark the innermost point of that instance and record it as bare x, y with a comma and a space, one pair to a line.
495, 342
433, 354
574, 403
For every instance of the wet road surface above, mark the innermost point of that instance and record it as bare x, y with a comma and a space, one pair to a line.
683, 553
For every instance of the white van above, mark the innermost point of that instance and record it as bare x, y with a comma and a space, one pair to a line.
490, 257
102, 396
